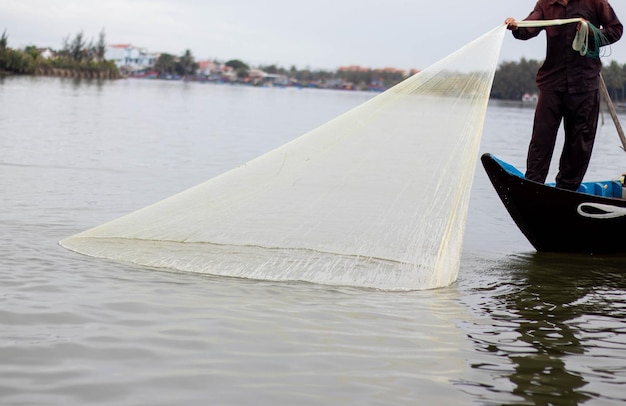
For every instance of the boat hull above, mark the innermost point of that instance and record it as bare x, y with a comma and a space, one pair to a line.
558, 220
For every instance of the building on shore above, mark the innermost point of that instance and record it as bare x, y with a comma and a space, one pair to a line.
130, 58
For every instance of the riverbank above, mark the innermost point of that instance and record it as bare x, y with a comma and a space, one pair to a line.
78, 73
70, 73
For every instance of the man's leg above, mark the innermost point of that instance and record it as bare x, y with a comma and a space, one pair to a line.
548, 115
581, 122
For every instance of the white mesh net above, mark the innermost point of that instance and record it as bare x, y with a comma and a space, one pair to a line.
377, 197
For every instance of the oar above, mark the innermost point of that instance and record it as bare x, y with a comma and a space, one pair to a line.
609, 103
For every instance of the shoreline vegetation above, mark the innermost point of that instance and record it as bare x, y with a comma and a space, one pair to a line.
77, 59
81, 59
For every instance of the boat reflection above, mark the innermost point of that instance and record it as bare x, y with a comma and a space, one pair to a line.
553, 317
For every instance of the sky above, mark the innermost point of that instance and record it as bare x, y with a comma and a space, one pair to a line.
320, 34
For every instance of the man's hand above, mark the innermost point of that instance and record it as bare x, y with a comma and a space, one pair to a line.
511, 23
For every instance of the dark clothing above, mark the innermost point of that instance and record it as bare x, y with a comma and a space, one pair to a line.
564, 68
579, 112
568, 89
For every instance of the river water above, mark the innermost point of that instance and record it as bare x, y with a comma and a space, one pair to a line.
516, 327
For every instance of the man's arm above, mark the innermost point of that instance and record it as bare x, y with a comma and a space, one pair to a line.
525, 33
612, 28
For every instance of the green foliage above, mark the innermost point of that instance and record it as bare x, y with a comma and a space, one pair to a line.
32, 51
4, 41
169, 65
16, 62
237, 65
186, 64
514, 79
76, 55
165, 64
101, 47
240, 68
272, 69
364, 78
77, 48
614, 77
307, 75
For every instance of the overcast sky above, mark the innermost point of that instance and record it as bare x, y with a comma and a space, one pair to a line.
319, 34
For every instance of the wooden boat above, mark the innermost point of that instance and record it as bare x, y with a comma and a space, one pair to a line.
591, 220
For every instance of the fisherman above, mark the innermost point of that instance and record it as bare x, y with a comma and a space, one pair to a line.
568, 85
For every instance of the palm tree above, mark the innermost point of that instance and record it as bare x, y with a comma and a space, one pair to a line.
101, 47
188, 65
77, 48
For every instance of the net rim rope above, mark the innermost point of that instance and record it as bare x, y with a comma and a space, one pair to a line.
581, 39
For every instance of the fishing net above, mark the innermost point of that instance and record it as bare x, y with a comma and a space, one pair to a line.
377, 197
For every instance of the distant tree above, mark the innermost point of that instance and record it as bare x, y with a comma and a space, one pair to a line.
89, 52
240, 68
274, 69
361, 77
75, 55
15, 61
32, 51
271, 69
77, 48
12, 60
236, 64
4, 41
186, 64
304, 75
614, 78
165, 64
513, 79
64, 52
101, 47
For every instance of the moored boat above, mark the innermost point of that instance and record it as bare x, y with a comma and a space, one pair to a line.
591, 220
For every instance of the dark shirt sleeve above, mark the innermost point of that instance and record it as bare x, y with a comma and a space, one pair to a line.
525, 33
612, 28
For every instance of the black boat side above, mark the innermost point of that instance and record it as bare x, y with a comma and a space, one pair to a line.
558, 220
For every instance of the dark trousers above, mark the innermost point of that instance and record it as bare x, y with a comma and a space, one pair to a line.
579, 113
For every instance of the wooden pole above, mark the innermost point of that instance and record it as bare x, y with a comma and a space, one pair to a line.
609, 103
